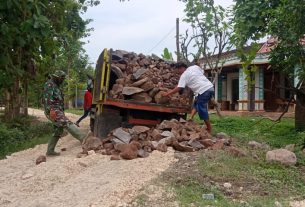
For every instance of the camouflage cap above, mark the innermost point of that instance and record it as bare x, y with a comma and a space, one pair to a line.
59, 74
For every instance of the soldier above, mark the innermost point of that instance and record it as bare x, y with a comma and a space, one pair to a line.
54, 110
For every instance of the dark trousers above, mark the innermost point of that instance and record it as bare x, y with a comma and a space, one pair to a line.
86, 113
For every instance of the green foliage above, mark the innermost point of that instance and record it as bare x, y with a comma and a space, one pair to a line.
211, 32
167, 55
38, 37
22, 133
281, 19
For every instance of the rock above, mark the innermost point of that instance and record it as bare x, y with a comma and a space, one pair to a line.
122, 135
290, 147
139, 82
281, 155
108, 146
140, 129
92, 143
236, 152
162, 147
227, 185
207, 142
222, 135
148, 85
41, 159
194, 136
159, 99
129, 151
120, 81
167, 125
142, 97
117, 141
117, 89
138, 73
63, 149
167, 134
154, 144
255, 145
27, 175
155, 57
209, 196
115, 157
131, 90
219, 144
142, 153
156, 135
179, 147
195, 144
153, 92
168, 141
91, 152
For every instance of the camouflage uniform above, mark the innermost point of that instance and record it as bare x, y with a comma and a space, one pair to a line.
54, 110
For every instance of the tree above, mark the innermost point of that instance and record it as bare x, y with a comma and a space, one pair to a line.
284, 21
210, 35
33, 32
167, 55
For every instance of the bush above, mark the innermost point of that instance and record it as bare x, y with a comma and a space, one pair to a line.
22, 133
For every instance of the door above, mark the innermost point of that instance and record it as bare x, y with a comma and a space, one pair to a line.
235, 93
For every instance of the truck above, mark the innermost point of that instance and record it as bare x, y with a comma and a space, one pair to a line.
109, 113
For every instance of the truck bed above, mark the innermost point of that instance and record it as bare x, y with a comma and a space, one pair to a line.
131, 104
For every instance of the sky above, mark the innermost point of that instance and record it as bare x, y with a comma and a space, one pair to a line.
141, 26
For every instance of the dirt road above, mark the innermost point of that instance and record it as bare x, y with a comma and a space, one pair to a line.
79, 182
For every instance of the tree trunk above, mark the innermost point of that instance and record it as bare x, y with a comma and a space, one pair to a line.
300, 111
12, 105
26, 98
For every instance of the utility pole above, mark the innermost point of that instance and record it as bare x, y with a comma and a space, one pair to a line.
177, 39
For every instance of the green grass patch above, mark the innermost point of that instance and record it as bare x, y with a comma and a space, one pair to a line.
22, 133
254, 181
78, 111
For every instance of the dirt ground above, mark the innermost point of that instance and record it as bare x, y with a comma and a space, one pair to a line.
92, 181
79, 182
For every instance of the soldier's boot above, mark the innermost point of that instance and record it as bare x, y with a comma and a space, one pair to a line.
51, 147
75, 132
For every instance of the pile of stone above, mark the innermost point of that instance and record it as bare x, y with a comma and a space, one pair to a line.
139, 141
143, 78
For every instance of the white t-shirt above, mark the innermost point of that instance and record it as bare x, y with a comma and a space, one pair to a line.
194, 78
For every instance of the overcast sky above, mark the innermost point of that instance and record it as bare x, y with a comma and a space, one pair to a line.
141, 26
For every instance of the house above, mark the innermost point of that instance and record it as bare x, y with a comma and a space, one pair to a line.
234, 93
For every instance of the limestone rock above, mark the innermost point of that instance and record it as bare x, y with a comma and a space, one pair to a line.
142, 97
131, 90
179, 147
41, 159
122, 135
281, 155
92, 143
140, 129
138, 73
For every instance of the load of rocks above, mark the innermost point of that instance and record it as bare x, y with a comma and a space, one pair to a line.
143, 78
139, 141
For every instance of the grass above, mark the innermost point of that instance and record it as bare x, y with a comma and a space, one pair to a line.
21, 134
262, 183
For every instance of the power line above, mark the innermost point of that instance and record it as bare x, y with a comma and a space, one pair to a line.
165, 36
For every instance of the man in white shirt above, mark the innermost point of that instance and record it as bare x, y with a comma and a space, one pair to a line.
193, 77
